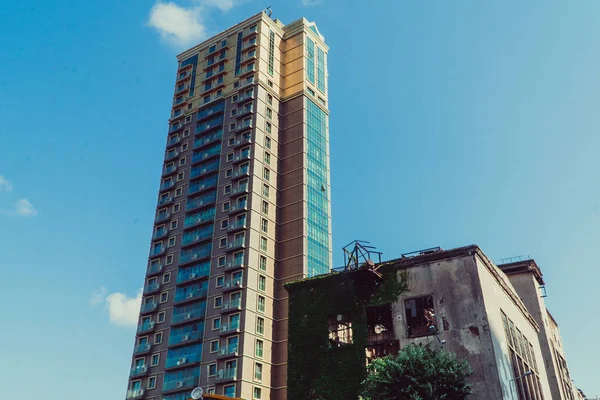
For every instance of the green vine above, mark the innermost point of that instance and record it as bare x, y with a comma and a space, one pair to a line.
316, 371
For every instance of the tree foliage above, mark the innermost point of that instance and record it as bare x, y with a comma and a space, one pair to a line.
418, 373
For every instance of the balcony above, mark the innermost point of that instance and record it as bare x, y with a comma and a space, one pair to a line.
235, 264
175, 340
237, 191
181, 89
205, 156
237, 226
192, 276
241, 157
201, 188
228, 351
171, 155
181, 362
248, 70
142, 349
176, 114
241, 174
176, 127
183, 297
180, 384
243, 141
250, 32
135, 394
166, 185
237, 244
248, 82
169, 170
201, 142
138, 371
183, 76
198, 204
206, 169
245, 111
197, 221
227, 374
146, 327
245, 97
179, 101
248, 57
151, 288
227, 306
154, 269
172, 141
187, 317
165, 200
209, 111
159, 234
232, 284
149, 307
196, 239
162, 217
157, 251
186, 258
229, 328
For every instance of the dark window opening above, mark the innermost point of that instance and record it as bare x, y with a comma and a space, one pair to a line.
340, 330
420, 316
381, 340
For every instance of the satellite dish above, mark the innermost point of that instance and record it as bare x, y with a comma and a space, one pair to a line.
197, 393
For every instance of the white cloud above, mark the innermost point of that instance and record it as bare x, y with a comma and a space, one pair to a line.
178, 25
5, 185
224, 5
123, 310
310, 3
97, 297
25, 209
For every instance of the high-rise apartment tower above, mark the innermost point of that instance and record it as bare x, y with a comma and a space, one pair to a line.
243, 207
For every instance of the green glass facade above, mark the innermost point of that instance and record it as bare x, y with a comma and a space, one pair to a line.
310, 60
320, 70
317, 187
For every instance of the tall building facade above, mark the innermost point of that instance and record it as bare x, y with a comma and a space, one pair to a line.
243, 207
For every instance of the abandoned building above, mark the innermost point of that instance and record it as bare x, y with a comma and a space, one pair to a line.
494, 316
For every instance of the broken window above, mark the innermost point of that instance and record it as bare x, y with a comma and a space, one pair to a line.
340, 330
420, 316
381, 340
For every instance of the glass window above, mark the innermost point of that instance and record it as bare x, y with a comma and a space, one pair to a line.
266, 174
220, 281
258, 372
212, 369
265, 207
260, 325
262, 283
268, 127
266, 189
257, 393
259, 349
214, 345
264, 225
261, 304
218, 302
267, 158
158, 338
268, 142
269, 99
263, 243
269, 113
155, 360
152, 382
262, 263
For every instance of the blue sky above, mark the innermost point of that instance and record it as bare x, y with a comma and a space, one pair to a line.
452, 123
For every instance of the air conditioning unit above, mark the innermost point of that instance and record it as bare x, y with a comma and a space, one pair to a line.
220, 374
197, 237
147, 347
139, 392
151, 324
238, 283
190, 295
194, 256
222, 351
227, 284
181, 361
223, 328
179, 384
192, 275
143, 369
188, 316
185, 338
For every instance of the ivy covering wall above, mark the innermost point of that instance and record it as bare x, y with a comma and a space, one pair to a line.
315, 370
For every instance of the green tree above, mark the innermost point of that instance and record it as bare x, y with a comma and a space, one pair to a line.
418, 373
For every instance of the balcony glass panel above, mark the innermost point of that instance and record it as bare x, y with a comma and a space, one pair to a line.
204, 168
193, 272
191, 292
199, 217
200, 155
186, 333
181, 378
208, 182
195, 253
184, 355
199, 234
189, 311
201, 201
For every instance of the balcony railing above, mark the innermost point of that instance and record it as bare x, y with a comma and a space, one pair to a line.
236, 263
157, 251
239, 190
148, 307
134, 393
232, 284
205, 155
240, 206
173, 141
162, 217
190, 295
231, 305
182, 361
147, 327
161, 233
139, 370
151, 287
242, 141
167, 185
246, 96
242, 157
229, 373
236, 244
237, 226
177, 318
179, 384
142, 348
185, 337
240, 174
232, 349
171, 155
182, 278
199, 220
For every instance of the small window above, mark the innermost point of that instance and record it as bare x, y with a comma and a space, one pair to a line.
262, 263
260, 325
169, 259
190, 105
218, 302
266, 174
222, 242
178, 192
223, 42
164, 296
210, 390
266, 189
214, 345
234, 112
212, 369
232, 127
212, 48
268, 127
270, 83
182, 161
216, 323
264, 225
257, 374
161, 317
155, 360
227, 189
269, 113
219, 281
167, 278
230, 141
262, 283
221, 261
176, 208
151, 382
226, 206
229, 157
180, 176
171, 241
173, 224
186, 133
268, 142
158, 338
267, 158
234, 98
420, 316
259, 348
224, 224
269, 99
228, 172
188, 119
257, 392
265, 207
340, 330
261, 304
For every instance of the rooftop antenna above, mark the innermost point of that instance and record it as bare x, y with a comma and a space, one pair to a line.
358, 254
269, 11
